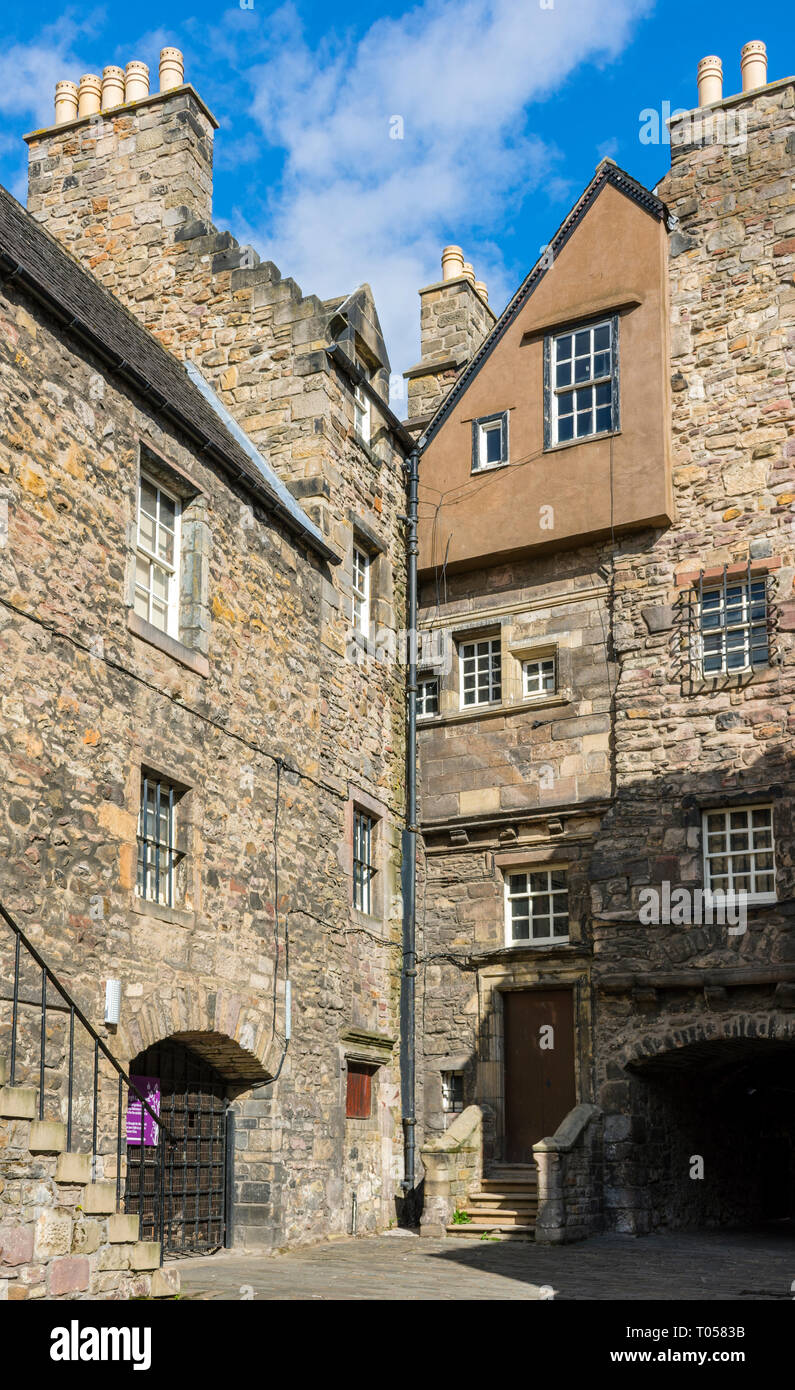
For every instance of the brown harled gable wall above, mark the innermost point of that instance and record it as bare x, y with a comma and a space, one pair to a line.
616, 257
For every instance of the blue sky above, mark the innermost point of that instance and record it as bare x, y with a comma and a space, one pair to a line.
506, 108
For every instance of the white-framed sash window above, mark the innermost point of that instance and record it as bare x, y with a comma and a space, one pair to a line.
361, 590
480, 672
157, 556
739, 852
582, 383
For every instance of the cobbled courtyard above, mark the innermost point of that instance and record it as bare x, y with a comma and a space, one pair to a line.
400, 1266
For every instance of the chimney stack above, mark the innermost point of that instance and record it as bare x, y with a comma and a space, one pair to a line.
172, 69
136, 81
112, 88
710, 81
65, 102
753, 64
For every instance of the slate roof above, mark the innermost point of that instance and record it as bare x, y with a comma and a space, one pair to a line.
31, 256
607, 173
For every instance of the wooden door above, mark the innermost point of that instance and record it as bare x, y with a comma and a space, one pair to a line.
539, 1066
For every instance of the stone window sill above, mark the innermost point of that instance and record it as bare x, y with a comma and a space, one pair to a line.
553, 447
147, 632
366, 448
709, 685
715, 905
535, 946
506, 955
490, 711
176, 916
369, 921
476, 470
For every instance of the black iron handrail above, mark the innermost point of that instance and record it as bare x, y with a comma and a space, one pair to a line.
75, 1012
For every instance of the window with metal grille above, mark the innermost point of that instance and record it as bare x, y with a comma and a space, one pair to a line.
158, 856
739, 851
539, 676
427, 697
361, 590
359, 1091
732, 632
157, 557
363, 860
452, 1091
480, 666
536, 906
582, 383
489, 442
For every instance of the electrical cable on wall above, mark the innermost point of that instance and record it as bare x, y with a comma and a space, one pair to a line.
180, 704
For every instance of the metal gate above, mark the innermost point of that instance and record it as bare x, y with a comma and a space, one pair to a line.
179, 1189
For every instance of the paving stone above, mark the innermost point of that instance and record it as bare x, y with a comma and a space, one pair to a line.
401, 1267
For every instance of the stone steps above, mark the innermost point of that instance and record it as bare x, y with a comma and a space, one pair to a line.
499, 1232
60, 1233
505, 1206
480, 1210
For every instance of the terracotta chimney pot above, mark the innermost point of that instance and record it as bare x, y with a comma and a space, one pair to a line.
710, 81
65, 102
112, 87
136, 81
469, 271
452, 263
172, 69
480, 286
89, 94
753, 64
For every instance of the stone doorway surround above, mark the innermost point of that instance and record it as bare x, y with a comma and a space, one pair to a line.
525, 970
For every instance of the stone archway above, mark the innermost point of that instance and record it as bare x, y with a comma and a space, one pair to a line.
230, 1030
178, 1172
707, 1135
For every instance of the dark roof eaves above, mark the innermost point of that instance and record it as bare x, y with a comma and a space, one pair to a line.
229, 455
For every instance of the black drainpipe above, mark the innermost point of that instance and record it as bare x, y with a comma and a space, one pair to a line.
409, 856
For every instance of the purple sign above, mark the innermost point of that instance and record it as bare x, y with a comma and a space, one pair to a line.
149, 1086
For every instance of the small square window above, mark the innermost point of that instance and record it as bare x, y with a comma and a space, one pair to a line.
359, 1092
489, 442
739, 852
452, 1092
480, 669
427, 697
538, 677
536, 907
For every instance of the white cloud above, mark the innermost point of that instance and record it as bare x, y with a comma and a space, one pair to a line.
29, 71
355, 205
352, 204
608, 148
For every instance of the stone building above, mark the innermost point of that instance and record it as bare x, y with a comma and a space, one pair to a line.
607, 564
202, 725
